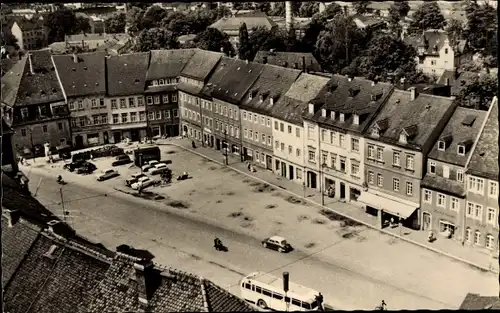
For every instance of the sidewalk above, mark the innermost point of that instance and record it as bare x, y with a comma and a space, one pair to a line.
472, 256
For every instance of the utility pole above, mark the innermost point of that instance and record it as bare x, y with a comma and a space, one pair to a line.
225, 149
64, 212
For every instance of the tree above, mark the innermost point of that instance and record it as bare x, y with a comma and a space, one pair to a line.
83, 25
428, 16
332, 10
279, 8
394, 19
385, 55
115, 23
60, 23
7, 39
244, 49
153, 16
133, 20
290, 40
479, 92
455, 30
263, 7
315, 27
308, 9
154, 39
214, 40
481, 29
361, 7
402, 8
339, 44
242, 5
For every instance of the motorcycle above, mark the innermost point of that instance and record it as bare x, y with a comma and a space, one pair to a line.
219, 246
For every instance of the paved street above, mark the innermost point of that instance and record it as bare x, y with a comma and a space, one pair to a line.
352, 271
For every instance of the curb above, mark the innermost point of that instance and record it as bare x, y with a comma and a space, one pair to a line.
477, 266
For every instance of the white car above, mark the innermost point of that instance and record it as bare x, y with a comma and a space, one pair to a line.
149, 165
158, 168
107, 174
134, 178
143, 182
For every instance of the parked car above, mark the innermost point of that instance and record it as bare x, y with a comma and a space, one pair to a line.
149, 165
86, 168
134, 178
158, 169
144, 182
121, 160
277, 243
107, 174
73, 165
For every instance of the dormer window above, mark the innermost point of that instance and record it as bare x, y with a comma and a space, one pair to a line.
402, 138
323, 112
332, 115
355, 120
461, 150
375, 132
441, 145
271, 100
155, 82
261, 98
250, 96
342, 117
311, 108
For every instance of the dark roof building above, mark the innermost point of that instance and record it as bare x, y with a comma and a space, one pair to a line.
348, 97
484, 160
431, 41
221, 70
127, 73
477, 302
83, 74
168, 63
297, 60
294, 103
271, 85
201, 65
231, 25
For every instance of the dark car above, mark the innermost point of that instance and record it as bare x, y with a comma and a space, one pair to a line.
74, 165
121, 160
277, 243
86, 168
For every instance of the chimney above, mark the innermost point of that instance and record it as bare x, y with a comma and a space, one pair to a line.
31, 64
75, 58
303, 63
413, 93
13, 216
61, 229
147, 281
288, 15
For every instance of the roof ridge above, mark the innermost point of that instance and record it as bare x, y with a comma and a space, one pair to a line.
204, 295
125, 257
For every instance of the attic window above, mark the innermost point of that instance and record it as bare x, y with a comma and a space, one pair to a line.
461, 150
356, 119
353, 92
73, 69
323, 112
137, 80
441, 145
238, 68
85, 68
54, 90
342, 117
402, 138
50, 254
97, 84
261, 98
332, 115
250, 95
469, 120
311, 108
375, 132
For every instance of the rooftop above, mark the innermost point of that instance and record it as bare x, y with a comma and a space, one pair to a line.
477, 302
82, 74
168, 63
201, 64
417, 119
87, 37
234, 23
298, 60
484, 160
127, 73
462, 130
220, 71
343, 95
433, 40
440, 183
29, 24
462, 81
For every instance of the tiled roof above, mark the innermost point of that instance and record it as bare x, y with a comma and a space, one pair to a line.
29, 24
168, 63
11, 82
7, 64
297, 60
447, 75
358, 96
233, 87
218, 74
440, 183
426, 112
274, 81
484, 160
234, 23
477, 302
155, 89
434, 38
86, 37
457, 132
219, 300
85, 77
201, 64
295, 102
127, 73
462, 81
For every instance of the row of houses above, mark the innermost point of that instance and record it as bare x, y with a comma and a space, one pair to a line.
403, 154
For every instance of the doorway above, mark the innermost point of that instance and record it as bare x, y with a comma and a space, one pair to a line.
105, 138
342, 191
290, 171
217, 144
134, 135
212, 141
283, 169
79, 141
269, 162
311, 180
426, 221
117, 136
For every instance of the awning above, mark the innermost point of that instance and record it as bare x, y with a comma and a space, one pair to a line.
391, 206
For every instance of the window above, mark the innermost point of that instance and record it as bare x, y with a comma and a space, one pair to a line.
115, 119
460, 175
256, 138
123, 105
131, 102
427, 196
140, 101
493, 189
461, 150
380, 180
166, 114
276, 144
157, 99
395, 158
101, 102
342, 164
324, 157
158, 115
312, 155
104, 118
446, 51
354, 169
477, 237
44, 128
432, 167
231, 130
310, 132
441, 200
410, 162
161, 82
282, 127
409, 188
455, 204
95, 119
275, 125
80, 104
297, 132
290, 149
492, 216
250, 134
71, 107
149, 99
263, 120
441, 145
245, 132
371, 178
236, 130
282, 147
333, 160
231, 113
490, 241
468, 235
355, 144
175, 112
113, 104
371, 152
124, 117
269, 140
174, 98
341, 140
255, 118
380, 154
60, 126
263, 138
93, 103
289, 129
244, 115
395, 184
23, 132
297, 152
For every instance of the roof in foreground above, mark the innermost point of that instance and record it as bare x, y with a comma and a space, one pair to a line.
201, 64
484, 160
477, 302
127, 73
168, 63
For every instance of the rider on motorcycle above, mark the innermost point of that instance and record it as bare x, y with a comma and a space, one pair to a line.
59, 179
217, 242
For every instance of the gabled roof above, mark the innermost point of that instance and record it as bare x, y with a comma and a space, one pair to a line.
29, 24
11, 82
234, 23
484, 160
83, 74
439, 183
7, 64
127, 73
422, 115
358, 96
435, 38
273, 82
168, 63
447, 76
222, 69
456, 132
201, 64
462, 81
477, 302
289, 59
233, 87
295, 102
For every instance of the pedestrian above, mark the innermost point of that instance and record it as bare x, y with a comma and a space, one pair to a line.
248, 166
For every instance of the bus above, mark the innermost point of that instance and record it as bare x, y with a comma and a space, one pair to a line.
143, 155
266, 291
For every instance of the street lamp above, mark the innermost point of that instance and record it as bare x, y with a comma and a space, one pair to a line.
322, 176
224, 149
140, 161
